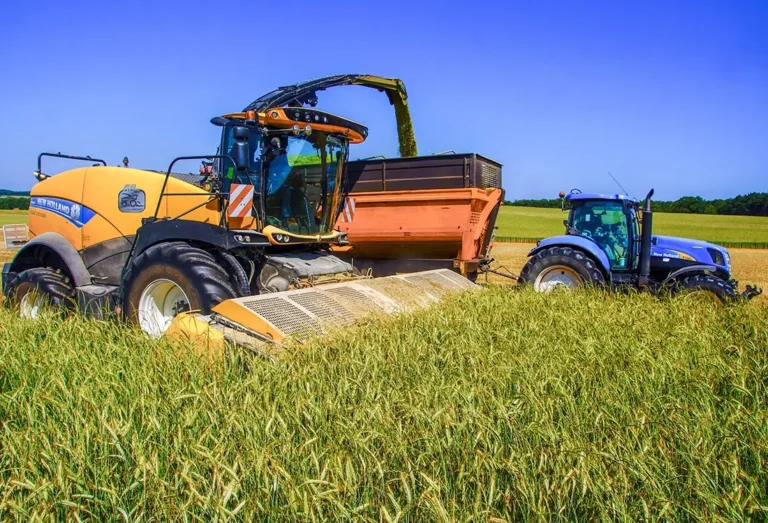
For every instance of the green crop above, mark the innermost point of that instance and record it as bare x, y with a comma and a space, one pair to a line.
498, 405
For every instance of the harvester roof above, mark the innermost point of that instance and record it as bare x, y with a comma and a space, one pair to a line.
288, 117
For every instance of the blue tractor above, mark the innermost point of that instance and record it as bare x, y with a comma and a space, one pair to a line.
609, 241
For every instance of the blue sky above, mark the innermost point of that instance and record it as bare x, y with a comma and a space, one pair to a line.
669, 94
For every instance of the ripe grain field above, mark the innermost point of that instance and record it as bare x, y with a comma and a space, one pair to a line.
501, 405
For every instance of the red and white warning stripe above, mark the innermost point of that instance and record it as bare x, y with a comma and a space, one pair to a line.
349, 210
240, 200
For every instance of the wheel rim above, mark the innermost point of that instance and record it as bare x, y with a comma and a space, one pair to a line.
703, 296
557, 276
31, 305
160, 302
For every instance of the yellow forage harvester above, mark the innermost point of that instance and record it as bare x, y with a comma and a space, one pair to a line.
248, 250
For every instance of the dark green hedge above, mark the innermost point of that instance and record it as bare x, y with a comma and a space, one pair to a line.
752, 204
14, 202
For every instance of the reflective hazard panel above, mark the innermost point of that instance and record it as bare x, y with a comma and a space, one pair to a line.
240, 201
349, 210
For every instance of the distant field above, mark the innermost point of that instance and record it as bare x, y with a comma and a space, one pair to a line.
539, 223
7, 217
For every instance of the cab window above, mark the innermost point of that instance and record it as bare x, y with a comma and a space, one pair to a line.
605, 223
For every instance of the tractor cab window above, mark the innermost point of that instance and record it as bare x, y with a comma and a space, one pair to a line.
605, 223
301, 182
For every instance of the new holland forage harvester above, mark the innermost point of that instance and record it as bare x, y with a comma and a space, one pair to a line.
242, 251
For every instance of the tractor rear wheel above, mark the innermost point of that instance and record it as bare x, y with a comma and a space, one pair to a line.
560, 267
169, 279
36, 288
705, 286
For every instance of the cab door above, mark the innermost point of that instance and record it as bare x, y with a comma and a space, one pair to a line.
605, 223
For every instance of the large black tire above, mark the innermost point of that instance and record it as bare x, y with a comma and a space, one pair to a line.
566, 259
195, 271
51, 285
707, 285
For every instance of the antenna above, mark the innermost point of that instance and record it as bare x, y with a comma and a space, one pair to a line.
617, 183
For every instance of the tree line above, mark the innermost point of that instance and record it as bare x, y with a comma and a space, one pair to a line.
752, 204
14, 202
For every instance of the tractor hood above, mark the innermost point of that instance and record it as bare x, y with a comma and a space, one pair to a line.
691, 250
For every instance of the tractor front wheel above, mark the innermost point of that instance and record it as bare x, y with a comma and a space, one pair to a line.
707, 287
171, 278
560, 267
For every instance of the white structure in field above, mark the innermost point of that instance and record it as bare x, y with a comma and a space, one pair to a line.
15, 235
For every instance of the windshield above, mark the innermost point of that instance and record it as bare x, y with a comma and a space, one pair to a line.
301, 183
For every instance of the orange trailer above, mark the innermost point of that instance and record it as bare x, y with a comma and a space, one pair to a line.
412, 214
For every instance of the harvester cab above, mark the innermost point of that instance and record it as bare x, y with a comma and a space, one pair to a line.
609, 240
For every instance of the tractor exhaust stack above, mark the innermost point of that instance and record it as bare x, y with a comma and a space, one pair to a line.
645, 243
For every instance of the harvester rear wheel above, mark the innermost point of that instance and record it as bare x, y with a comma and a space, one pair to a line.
36, 288
707, 287
169, 279
560, 267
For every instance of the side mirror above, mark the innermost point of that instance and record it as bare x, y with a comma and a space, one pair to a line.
240, 149
219, 121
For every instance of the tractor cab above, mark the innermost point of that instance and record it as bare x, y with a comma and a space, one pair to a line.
611, 222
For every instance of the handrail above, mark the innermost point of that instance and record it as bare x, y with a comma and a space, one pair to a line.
170, 169
68, 157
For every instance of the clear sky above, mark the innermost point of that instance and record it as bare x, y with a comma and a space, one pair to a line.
669, 94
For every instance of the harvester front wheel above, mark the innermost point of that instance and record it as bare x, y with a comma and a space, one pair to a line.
707, 287
36, 288
169, 279
560, 267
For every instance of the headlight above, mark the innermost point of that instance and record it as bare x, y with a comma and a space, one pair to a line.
717, 256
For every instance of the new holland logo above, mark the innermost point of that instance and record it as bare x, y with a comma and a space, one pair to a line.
77, 214
131, 199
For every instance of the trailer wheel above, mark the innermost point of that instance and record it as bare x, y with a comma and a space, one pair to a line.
707, 287
560, 267
36, 288
169, 279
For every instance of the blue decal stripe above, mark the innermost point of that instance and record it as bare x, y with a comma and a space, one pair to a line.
77, 214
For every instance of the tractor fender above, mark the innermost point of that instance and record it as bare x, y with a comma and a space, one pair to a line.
577, 242
688, 270
30, 256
